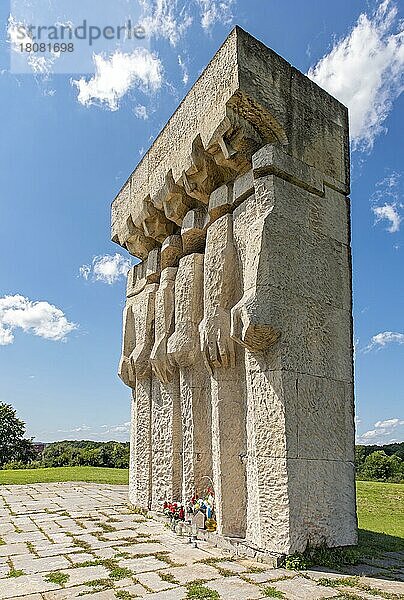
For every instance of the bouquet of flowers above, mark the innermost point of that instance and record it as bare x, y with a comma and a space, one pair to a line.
174, 511
205, 504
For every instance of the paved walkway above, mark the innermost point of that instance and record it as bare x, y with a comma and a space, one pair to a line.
70, 540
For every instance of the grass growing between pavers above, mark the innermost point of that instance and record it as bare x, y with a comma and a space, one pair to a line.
124, 595
57, 577
12, 571
271, 592
57, 474
197, 591
355, 583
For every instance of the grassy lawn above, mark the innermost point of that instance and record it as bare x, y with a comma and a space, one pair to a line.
381, 507
92, 474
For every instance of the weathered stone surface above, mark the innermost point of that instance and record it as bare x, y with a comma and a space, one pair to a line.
178, 593
12, 549
81, 575
193, 572
153, 582
30, 564
234, 588
299, 588
193, 231
24, 585
144, 564
322, 513
184, 353
237, 327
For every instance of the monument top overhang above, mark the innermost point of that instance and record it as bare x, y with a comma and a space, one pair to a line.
247, 96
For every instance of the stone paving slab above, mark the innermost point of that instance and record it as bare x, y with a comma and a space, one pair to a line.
77, 533
29, 564
79, 592
32, 597
134, 588
178, 593
144, 564
270, 575
12, 549
154, 582
24, 586
300, 588
80, 575
193, 572
234, 588
146, 548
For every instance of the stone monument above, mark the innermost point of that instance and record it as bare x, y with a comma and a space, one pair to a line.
237, 338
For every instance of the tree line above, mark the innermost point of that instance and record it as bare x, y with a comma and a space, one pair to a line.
376, 463
20, 452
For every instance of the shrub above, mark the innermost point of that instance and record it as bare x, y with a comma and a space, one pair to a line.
379, 466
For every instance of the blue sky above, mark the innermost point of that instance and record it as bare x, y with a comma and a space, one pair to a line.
68, 141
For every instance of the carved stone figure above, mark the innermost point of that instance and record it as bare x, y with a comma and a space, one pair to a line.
237, 328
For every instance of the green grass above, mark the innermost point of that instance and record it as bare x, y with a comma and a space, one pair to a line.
90, 474
272, 592
381, 507
57, 577
197, 591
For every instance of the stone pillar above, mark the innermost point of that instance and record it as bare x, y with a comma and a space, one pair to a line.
294, 321
166, 439
184, 352
227, 381
135, 371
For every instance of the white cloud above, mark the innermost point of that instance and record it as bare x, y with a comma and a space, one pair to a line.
78, 429
389, 423
382, 432
18, 33
119, 433
85, 271
383, 339
364, 70
390, 213
117, 74
40, 318
215, 11
168, 19
387, 191
140, 112
124, 428
107, 268
184, 70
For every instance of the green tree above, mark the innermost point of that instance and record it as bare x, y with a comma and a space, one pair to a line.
13, 445
361, 452
380, 466
120, 456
